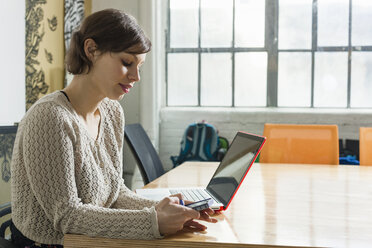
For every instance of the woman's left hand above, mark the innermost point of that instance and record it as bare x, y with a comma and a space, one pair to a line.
205, 216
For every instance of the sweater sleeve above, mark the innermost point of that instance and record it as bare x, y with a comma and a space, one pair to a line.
49, 162
127, 199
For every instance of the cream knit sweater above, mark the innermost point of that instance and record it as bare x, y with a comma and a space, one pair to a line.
64, 181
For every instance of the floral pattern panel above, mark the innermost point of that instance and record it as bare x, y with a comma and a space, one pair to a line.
44, 48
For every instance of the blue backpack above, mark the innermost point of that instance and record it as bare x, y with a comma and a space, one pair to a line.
200, 142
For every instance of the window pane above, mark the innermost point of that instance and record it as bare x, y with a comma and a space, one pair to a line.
295, 21
216, 23
330, 84
182, 79
361, 79
250, 79
294, 79
216, 87
12, 71
184, 23
333, 22
249, 23
362, 23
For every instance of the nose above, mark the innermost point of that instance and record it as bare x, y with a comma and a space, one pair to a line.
134, 75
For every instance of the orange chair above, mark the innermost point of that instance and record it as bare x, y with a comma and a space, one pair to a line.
365, 145
300, 144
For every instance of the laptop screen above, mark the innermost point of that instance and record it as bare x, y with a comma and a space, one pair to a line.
234, 166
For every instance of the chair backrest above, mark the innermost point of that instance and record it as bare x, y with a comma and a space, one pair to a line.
144, 152
5, 213
302, 144
365, 145
7, 138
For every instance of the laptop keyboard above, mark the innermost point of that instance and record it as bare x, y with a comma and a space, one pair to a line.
193, 194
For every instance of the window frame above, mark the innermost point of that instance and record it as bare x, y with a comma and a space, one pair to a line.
272, 49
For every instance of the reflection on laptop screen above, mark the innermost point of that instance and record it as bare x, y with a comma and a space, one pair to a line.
234, 165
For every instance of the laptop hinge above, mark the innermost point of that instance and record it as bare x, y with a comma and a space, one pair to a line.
215, 197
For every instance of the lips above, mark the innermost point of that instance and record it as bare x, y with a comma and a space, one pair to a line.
125, 87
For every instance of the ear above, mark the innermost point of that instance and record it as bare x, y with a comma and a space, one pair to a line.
90, 47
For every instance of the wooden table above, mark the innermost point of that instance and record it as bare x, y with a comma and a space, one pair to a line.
277, 205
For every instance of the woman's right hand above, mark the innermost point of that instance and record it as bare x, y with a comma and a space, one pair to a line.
172, 216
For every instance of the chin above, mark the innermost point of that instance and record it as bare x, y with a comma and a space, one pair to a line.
116, 97
120, 97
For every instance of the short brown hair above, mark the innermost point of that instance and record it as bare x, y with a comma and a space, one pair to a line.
113, 31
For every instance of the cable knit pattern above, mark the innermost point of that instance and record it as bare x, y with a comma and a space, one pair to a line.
64, 181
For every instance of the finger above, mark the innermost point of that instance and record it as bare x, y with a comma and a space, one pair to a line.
165, 201
195, 225
194, 229
168, 200
179, 196
205, 216
174, 199
209, 211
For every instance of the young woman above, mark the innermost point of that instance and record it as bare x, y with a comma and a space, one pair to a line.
67, 160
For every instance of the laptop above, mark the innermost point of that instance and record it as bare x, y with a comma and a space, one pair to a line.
227, 178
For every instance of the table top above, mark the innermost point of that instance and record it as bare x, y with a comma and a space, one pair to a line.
277, 205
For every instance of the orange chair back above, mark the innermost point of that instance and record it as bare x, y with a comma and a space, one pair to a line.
365, 145
300, 144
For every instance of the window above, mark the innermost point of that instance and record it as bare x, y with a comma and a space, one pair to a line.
12, 65
273, 53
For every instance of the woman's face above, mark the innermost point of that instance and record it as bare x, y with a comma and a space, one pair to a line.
114, 74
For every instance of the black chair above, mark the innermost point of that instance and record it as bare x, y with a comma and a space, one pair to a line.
7, 137
5, 209
144, 152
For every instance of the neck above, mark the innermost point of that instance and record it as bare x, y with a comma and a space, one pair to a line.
84, 96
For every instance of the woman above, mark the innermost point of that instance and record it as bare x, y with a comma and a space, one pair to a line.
67, 160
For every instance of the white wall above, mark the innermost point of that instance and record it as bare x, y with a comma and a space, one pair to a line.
175, 120
142, 104
128, 6
12, 63
130, 102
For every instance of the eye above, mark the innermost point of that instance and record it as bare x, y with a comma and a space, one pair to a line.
125, 63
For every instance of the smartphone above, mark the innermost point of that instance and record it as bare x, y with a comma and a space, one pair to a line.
200, 205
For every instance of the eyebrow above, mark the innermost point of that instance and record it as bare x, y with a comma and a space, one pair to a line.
134, 56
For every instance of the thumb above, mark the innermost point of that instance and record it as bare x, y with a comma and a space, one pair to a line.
174, 200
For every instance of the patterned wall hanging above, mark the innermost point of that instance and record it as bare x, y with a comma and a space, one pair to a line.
44, 48
74, 14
